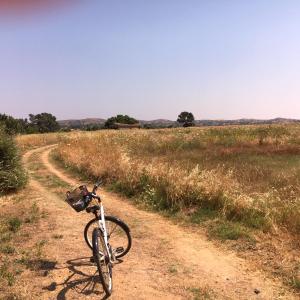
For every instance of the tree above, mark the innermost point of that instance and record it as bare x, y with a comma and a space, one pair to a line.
110, 123
92, 127
13, 126
123, 119
186, 119
44, 122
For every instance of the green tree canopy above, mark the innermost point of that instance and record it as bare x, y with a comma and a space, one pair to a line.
13, 126
44, 122
123, 119
186, 119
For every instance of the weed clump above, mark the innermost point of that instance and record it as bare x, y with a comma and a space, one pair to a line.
202, 293
7, 249
14, 224
295, 282
226, 230
6, 274
33, 214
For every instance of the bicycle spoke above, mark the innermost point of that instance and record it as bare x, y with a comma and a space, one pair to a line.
111, 232
102, 261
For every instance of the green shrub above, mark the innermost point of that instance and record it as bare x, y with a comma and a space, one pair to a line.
12, 174
203, 214
7, 249
295, 282
6, 274
226, 230
14, 224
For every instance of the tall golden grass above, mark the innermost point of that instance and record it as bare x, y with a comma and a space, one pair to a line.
246, 174
29, 141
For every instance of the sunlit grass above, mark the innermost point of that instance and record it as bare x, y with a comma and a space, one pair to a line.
246, 174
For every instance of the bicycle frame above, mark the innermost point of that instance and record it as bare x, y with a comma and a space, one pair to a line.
102, 227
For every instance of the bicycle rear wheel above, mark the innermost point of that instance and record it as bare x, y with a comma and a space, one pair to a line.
103, 262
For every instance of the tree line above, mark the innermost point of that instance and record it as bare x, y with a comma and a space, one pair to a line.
46, 122
185, 118
40, 123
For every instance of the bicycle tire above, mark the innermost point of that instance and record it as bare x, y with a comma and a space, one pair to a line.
102, 261
123, 229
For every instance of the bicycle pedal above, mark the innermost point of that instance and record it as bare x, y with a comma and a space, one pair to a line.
119, 250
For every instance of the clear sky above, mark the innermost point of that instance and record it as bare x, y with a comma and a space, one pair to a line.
152, 59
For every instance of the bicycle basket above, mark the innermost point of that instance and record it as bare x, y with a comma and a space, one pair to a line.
77, 199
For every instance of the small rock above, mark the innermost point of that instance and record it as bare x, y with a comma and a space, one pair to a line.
256, 291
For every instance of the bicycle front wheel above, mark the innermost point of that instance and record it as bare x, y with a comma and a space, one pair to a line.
118, 235
102, 261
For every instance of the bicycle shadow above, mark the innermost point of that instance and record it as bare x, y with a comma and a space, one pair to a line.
80, 280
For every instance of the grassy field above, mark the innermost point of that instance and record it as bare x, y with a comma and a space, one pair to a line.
246, 175
30, 141
240, 184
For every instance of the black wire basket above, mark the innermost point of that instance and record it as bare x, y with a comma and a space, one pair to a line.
78, 198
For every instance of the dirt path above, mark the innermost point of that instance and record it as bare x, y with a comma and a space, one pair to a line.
166, 261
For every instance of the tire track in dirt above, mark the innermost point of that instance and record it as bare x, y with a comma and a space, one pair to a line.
166, 260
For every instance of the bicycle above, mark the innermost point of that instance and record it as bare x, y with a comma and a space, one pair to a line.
107, 236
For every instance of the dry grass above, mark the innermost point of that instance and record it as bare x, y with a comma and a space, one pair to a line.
238, 182
29, 141
247, 174
18, 252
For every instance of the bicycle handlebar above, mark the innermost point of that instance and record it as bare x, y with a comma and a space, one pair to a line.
94, 196
96, 186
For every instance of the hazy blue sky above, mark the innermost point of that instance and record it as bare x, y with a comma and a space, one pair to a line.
153, 59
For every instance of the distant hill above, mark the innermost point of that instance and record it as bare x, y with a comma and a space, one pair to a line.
244, 122
74, 123
166, 123
158, 122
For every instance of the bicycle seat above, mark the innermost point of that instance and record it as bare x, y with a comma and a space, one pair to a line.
93, 209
